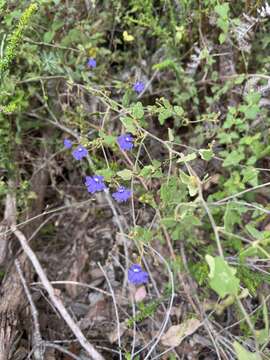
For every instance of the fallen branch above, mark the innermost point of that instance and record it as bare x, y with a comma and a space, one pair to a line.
92, 352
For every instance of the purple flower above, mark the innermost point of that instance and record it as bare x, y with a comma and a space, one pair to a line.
80, 152
122, 194
136, 275
138, 87
95, 183
91, 63
67, 144
125, 142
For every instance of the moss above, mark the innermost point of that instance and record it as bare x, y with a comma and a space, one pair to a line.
200, 272
250, 279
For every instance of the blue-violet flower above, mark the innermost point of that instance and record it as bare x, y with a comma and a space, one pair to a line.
138, 87
67, 144
95, 183
80, 152
122, 194
125, 142
91, 63
136, 275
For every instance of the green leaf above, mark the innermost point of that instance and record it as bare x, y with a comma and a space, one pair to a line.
137, 110
243, 354
188, 157
191, 183
206, 154
166, 64
222, 38
179, 111
256, 234
262, 335
125, 174
172, 192
222, 277
234, 158
48, 36
128, 124
222, 10
231, 217
239, 79
107, 139
250, 176
107, 173
223, 25
164, 114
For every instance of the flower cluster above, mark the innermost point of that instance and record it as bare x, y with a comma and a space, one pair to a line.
95, 183
136, 275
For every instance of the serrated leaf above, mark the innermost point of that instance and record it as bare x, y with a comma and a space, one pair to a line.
128, 124
164, 114
125, 174
233, 158
243, 354
137, 110
179, 111
222, 277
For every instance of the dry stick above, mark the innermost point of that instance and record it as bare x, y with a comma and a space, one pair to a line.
211, 219
62, 349
37, 339
46, 212
167, 317
95, 355
241, 193
116, 310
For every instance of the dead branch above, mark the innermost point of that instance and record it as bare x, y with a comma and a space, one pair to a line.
92, 352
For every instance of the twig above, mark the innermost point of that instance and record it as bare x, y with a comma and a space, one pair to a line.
37, 339
65, 282
56, 300
9, 219
211, 219
116, 310
62, 349
242, 192
168, 312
